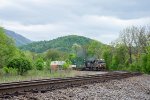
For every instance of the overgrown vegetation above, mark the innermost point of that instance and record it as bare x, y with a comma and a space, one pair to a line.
7, 49
131, 52
22, 65
34, 74
39, 64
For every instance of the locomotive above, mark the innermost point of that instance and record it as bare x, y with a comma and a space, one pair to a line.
96, 64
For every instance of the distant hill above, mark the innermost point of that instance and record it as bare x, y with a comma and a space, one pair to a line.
62, 43
19, 40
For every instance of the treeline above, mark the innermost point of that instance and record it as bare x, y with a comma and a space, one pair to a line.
14, 60
61, 44
11, 58
77, 55
131, 51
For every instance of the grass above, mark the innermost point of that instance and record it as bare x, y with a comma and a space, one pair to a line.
36, 74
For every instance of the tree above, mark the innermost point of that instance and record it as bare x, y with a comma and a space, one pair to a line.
66, 65
30, 55
134, 41
76, 47
53, 55
72, 58
107, 55
21, 64
95, 49
126, 37
39, 64
7, 48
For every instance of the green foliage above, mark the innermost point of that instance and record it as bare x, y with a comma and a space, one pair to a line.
66, 65
55, 55
130, 52
7, 48
9, 71
48, 62
146, 63
95, 49
115, 62
21, 64
30, 55
61, 44
107, 55
134, 67
72, 57
6, 70
39, 64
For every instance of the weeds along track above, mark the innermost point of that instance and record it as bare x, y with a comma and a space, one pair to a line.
44, 85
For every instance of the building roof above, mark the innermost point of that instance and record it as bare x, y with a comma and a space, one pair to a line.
58, 62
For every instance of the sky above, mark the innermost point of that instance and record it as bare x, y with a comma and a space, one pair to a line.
97, 19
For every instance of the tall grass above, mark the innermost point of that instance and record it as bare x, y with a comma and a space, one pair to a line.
35, 74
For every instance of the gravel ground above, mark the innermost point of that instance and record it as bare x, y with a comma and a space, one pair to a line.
134, 88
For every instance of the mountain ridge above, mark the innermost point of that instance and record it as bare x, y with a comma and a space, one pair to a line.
63, 43
19, 39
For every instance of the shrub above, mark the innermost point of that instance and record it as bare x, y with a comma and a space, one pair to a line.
148, 64
48, 64
22, 65
66, 65
9, 71
134, 67
39, 64
6, 70
121, 67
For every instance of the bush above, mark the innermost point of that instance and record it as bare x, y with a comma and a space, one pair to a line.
121, 67
134, 67
66, 65
22, 65
148, 64
6, 70
48, 64
145, 64
9, 71
39, 64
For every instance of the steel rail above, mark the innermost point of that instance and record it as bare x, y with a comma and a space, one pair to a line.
50, 84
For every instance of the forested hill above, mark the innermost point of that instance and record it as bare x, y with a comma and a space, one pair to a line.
19, 40
62, 43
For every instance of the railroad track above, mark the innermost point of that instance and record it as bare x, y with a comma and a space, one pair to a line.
58, 83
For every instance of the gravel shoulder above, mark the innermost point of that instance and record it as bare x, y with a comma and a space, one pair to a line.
133, 88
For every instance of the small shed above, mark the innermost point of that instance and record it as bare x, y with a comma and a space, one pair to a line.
55, 65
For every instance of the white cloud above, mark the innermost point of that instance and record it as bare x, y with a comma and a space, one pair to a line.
109, 21
48, 19
4, 3
102, 28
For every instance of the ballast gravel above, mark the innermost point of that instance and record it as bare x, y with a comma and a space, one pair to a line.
133, 88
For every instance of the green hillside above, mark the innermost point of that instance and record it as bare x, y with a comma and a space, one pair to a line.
18, 39
62, 43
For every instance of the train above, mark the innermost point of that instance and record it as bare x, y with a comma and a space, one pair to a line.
96, 64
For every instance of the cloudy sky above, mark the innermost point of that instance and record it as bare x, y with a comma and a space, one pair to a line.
98, 19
